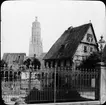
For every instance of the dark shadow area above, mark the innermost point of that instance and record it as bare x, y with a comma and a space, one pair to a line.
104, 103
47, 95
36, 96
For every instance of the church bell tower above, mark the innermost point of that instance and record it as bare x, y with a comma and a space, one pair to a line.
35, 46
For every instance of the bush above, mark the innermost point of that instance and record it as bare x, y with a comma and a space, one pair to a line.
91, 61
13, 99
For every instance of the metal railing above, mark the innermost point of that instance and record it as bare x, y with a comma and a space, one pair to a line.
59, 84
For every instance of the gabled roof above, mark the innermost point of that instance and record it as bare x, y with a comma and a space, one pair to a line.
11, 57
67, 44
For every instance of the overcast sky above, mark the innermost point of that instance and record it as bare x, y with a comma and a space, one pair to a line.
54, 17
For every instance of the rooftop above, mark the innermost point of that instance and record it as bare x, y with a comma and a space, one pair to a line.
68, 42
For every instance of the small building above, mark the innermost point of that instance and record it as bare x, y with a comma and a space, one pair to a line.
73, 46
14, 59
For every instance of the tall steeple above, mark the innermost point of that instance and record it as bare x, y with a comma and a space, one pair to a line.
35, 46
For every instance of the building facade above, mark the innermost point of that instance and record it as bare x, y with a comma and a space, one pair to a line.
73, 46
35, 46
87, 46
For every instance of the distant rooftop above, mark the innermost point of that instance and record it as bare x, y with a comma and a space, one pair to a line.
11, 57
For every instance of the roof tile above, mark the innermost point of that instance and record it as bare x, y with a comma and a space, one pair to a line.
67, 44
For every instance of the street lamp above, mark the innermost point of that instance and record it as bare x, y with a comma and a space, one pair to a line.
101, 43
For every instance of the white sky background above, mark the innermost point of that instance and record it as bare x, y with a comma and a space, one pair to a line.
54, 17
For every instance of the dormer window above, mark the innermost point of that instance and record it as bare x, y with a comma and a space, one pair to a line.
85, 48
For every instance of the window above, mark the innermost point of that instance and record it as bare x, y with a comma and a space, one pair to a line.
59, 63
91, 49
85, 48
83, 57
64, 62
89, 38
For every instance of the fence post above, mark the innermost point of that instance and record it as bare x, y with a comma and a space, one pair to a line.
55, 72
103, 83
102, 78
30, 72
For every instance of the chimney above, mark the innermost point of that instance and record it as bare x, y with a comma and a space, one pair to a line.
70, 28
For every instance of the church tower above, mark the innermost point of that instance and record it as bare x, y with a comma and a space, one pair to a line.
35, 46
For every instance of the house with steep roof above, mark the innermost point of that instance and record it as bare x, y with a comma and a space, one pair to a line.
74, 45
14, 59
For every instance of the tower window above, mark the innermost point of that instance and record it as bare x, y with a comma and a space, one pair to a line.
85, 48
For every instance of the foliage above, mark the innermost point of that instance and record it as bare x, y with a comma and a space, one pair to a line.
27, 62
91, 61
2, 63
13, 99
34, 62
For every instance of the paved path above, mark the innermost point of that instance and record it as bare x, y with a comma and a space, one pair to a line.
72, 103
65, 103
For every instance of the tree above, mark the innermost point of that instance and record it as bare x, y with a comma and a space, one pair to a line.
27, 62
2, 63
91, 61
34, 62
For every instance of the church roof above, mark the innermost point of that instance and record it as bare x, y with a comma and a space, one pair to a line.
14, 57
67, 44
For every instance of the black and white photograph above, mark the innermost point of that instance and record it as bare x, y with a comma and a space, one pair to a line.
53, 52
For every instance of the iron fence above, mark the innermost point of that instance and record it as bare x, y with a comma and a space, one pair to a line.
58, 84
